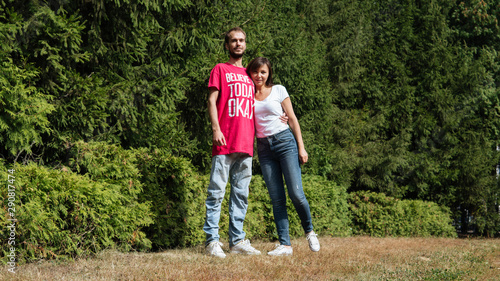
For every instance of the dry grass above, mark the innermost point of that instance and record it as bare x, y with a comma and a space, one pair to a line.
355, 258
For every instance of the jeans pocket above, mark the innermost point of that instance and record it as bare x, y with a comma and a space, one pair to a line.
285, 137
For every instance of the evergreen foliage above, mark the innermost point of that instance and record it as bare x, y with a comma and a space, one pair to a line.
148, 198
398, 97
378, 215
177, 193
24, 109
63, 215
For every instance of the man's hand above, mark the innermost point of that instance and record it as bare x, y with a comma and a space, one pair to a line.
284, 118
218, 139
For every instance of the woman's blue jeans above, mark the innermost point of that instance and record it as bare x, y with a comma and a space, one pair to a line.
278, 157
237, 167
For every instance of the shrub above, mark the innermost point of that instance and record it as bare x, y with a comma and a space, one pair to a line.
116, 166
177, 194
378, 215
328, 203
64, 215
329, 208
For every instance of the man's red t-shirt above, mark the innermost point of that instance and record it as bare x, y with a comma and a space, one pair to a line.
235, 108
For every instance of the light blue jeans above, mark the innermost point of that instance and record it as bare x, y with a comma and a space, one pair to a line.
238, 168
278, 157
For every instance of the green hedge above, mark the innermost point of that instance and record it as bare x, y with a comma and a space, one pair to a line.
328, 203
110, 197
378, 215
177, 193
64, 215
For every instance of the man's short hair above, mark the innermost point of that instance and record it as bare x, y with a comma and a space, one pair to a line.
226, 39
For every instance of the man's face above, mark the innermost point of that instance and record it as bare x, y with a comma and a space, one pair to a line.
237, 44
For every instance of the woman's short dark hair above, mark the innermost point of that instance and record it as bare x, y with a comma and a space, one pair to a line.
256, 63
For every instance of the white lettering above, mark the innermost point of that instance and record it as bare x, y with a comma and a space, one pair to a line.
239, 107
237, 89
231, 107
236, 77
245, 90
247, 109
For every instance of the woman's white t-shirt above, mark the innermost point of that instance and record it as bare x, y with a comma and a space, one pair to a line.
268, 112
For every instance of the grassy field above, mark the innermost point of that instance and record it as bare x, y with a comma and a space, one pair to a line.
354, 258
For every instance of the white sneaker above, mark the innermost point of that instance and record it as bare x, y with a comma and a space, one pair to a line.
281, 250
214, 249
244, 247
313, 241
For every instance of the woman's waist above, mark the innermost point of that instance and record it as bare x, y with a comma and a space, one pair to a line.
278, 133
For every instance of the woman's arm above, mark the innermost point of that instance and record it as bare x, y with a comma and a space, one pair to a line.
294, 125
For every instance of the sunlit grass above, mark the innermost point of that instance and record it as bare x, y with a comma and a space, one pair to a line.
354, 258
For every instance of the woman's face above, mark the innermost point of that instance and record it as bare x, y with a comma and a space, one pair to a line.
260, 75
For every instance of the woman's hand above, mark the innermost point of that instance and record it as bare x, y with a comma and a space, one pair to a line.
303, 157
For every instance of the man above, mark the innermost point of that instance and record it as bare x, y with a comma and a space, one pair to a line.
230, 107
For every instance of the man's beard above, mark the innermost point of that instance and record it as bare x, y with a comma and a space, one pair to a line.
236, 56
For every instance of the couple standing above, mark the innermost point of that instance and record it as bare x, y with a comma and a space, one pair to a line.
237, 96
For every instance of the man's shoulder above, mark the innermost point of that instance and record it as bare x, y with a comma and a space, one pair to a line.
221, 65
223, 69
230, 67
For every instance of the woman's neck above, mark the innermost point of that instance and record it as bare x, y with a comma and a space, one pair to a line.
260, 89
262, 92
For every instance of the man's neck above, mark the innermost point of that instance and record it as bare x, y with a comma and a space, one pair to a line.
236, 62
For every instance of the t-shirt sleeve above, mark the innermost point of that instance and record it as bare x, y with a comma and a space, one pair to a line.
214, 81
283, 94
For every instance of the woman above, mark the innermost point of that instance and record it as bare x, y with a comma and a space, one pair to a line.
281, 152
